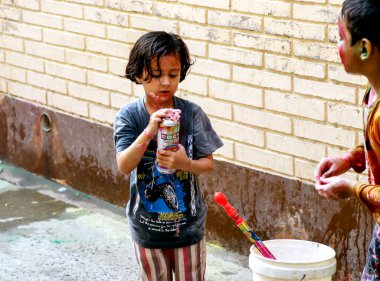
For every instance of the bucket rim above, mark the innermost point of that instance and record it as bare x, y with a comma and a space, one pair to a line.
331, 255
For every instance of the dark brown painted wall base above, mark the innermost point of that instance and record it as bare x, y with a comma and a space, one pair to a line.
81, 154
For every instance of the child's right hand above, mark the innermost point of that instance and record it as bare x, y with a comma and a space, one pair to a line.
156, 118
330, 167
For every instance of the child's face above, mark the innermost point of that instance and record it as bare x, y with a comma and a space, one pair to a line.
161, 88
349, 55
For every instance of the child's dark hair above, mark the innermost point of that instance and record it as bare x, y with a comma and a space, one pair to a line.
156, 44
363, 19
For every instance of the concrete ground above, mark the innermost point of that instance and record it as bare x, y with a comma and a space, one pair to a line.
51, 232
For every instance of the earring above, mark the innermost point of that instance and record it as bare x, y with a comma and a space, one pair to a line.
364, 54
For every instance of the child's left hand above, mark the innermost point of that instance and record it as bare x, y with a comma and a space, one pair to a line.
177, 160
335, 187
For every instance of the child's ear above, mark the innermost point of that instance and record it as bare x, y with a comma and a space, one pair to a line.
365, 49
138, 79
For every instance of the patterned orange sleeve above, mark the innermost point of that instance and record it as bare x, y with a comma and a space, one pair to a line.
357, 159
370, 196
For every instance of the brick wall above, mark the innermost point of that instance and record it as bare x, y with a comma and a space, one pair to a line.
267, 72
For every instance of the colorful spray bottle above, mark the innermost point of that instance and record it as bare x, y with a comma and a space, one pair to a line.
221, 199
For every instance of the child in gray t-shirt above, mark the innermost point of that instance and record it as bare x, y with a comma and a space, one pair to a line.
166, 212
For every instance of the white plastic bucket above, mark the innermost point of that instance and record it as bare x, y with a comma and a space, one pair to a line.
295, 260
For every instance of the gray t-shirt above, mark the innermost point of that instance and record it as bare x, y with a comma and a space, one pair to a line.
166, 211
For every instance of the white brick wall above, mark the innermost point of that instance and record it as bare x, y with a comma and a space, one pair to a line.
11, 43
62, 8
295, 29
65, 71
42, 19
263, 7
47, 82
89, 94
45, 51
274, 162
12, 73
195, 84
139, 6
235, 55
295, 105
262, 42
267, 72
236, 93
262, 78
24, 61
22, 30
27, 92
3, 85
68, 104
295, 66
315, 13
86, 60
262, 119
212, 68
239, 133
63, 39
220, 4
239, 21
293, 146
175, 11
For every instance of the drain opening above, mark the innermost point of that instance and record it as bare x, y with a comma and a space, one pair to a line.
45, 122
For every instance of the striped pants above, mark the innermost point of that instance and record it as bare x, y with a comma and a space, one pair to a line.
187, 263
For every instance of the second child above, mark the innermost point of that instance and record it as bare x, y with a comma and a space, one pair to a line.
359, 49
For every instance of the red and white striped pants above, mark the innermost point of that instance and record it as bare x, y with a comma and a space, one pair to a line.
187, 263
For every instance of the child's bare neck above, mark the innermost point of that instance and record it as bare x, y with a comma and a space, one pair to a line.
375, 86
372, 97
372, 72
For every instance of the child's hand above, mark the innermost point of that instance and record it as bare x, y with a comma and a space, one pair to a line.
175, 114
330, 167
335, 187
156, 119
177, 160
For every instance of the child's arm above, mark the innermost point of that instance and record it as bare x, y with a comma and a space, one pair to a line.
201, 165
178, 160
369, 195
335, 187
334, 166
340, 188
128, 159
